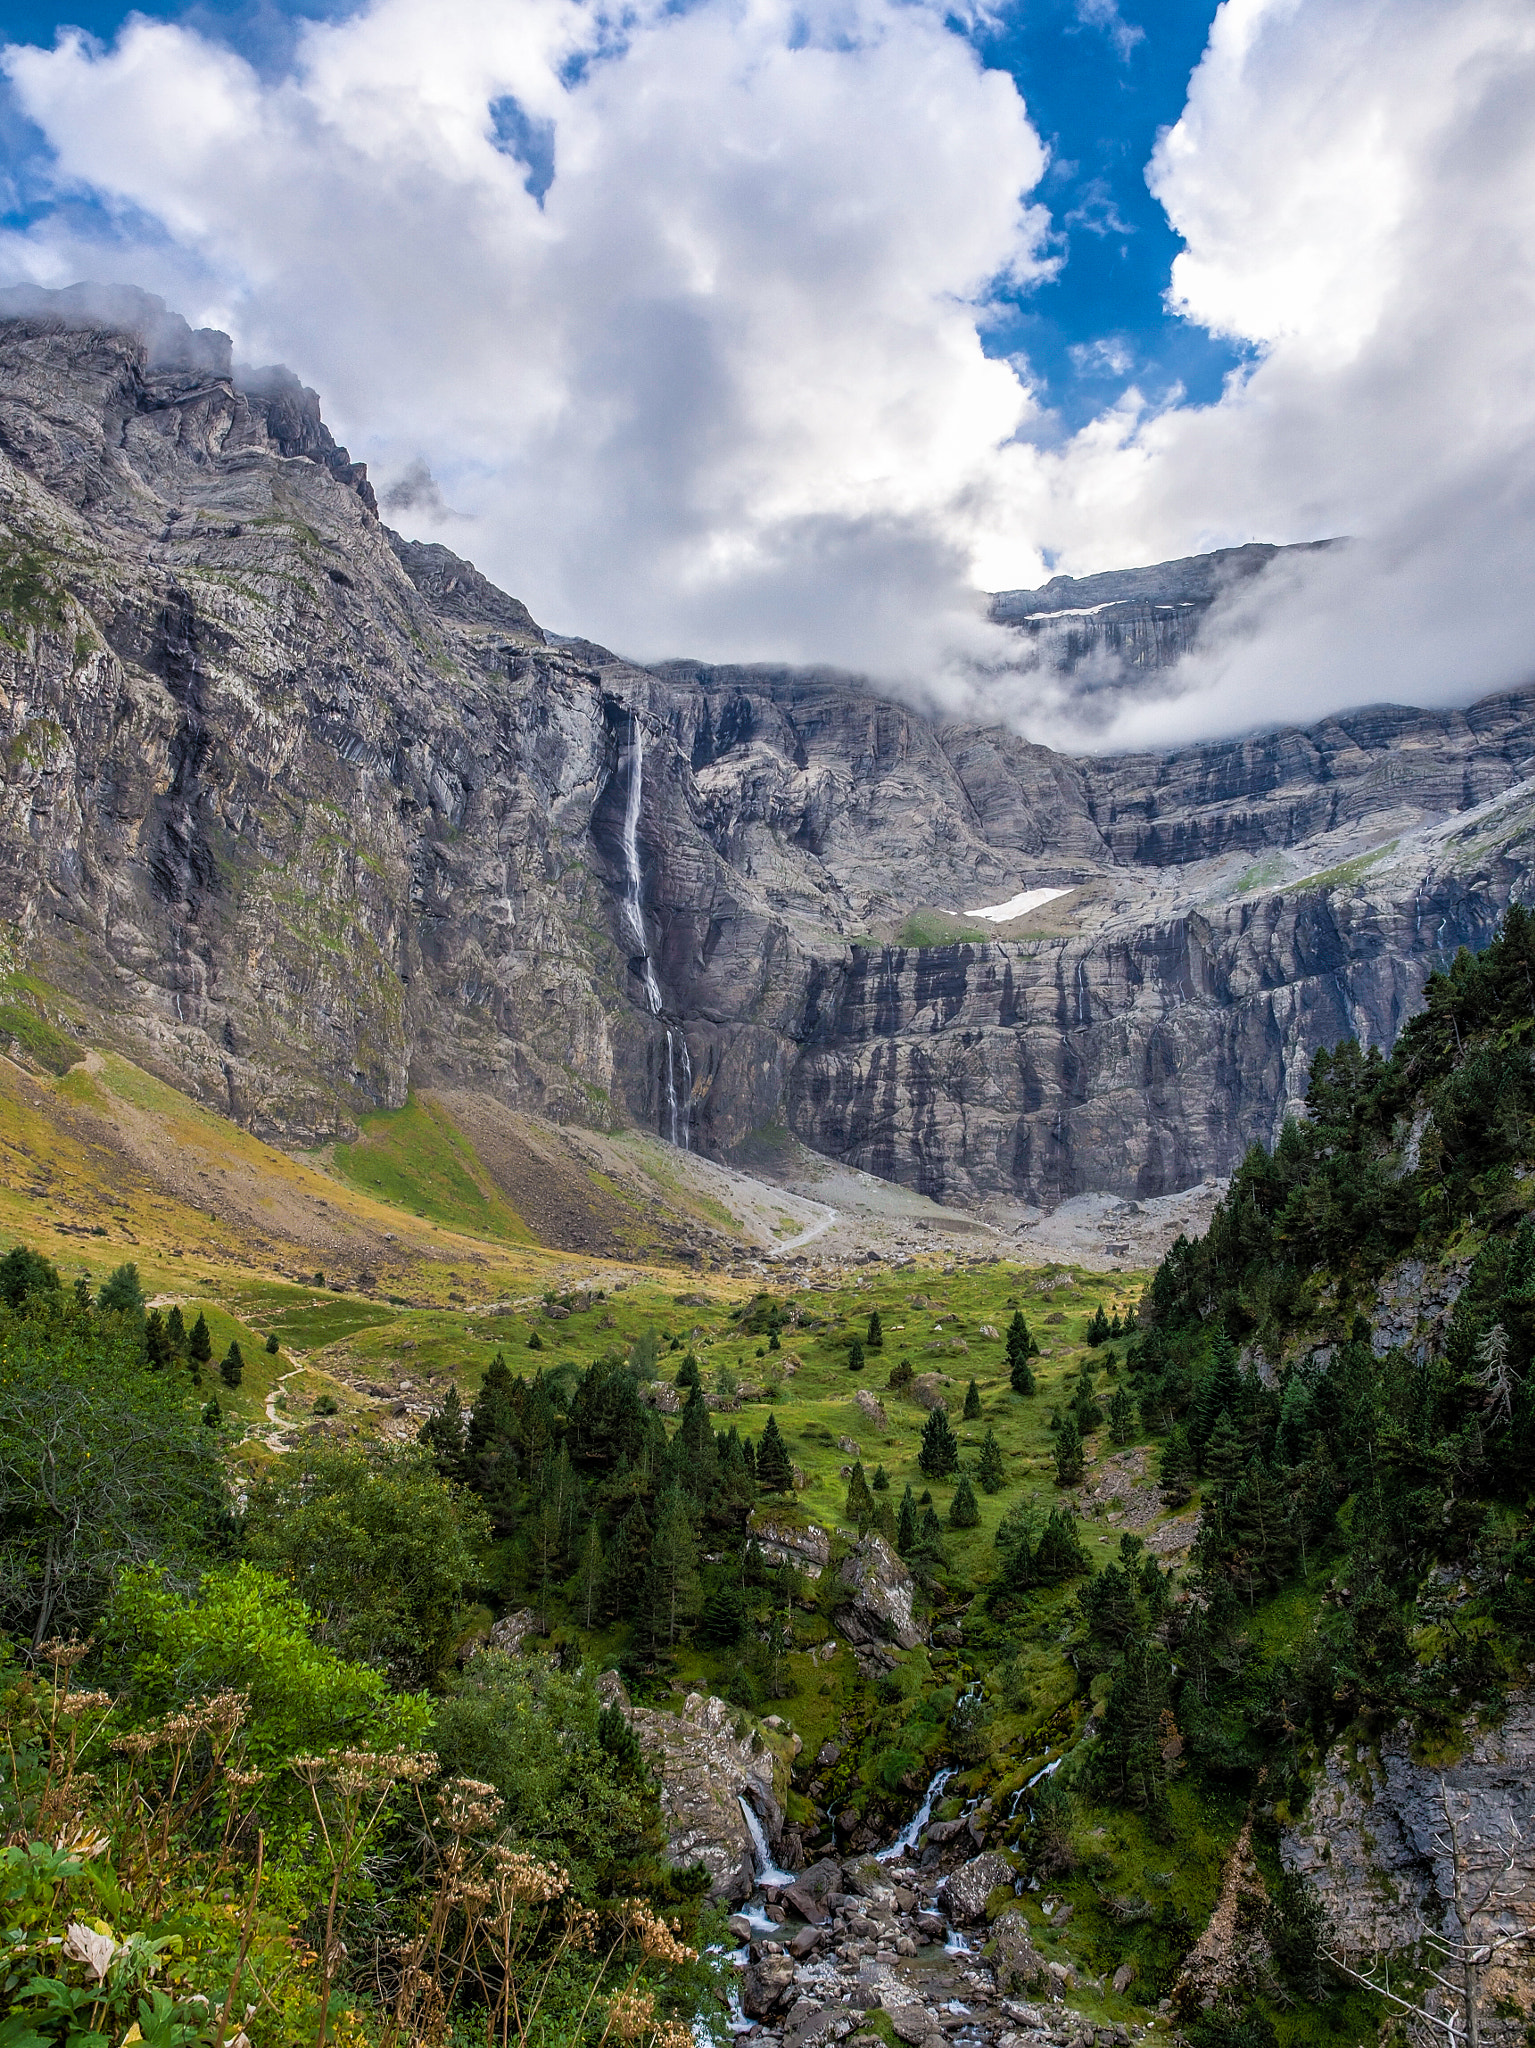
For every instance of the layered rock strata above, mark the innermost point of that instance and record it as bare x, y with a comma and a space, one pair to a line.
303, 814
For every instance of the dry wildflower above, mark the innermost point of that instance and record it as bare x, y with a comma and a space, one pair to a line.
467, 1805
243, 1781
581, 1925
82, 1702
524, 1880
139, 1743
83, 1944
657, 1941
82, 1838
61, 1654
632, 2015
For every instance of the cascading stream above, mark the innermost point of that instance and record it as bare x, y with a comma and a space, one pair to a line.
907, 1838
633, 904
679, 1103
767, 1871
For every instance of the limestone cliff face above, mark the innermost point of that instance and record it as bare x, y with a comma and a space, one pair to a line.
301, 812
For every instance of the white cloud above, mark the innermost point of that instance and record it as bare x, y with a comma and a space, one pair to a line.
724, 393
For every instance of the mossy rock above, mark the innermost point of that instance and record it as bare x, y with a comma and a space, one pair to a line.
999, 1900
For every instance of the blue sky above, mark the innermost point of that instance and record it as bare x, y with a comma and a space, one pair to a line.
1099, 81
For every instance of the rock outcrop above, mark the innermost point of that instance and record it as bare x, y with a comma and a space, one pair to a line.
1387, 1845
805, 1545
706, 1771
879, 1594
302, 814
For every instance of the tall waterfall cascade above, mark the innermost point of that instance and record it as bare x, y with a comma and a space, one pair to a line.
679, 1100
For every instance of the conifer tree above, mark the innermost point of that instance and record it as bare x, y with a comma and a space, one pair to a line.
591, 1567
1175, 1473
930, 1534
688, 1374
855, 1356
880, 1482
1218, 1388
232, 1365
1121, 1416
1225, 1463
626, 1560
972, 1403
775, 1472
860, 1502
1097, 1328
176, 1331
749, 1459
444, 1433
990, 1471
1020, 1346
884, 1521
875, 1340
157, 1344
272, 1345
906, 1524
200, 1343
939, 1455
1069, 1462
723, 1621
535, 1342
212, 1414
964, 1509
670, 1595
121, 1293
1060, 1554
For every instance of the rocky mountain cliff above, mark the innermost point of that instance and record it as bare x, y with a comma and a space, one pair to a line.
303, 813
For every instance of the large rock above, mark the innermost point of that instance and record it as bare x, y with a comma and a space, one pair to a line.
804, 1545
872, 1408
966, 1890
706, 1769
1381, 1834
766, 1986
880, 1591
1018, 1964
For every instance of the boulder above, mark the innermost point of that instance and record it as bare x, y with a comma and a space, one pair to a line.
927, 1390
663, 1396
1017, 1962
806, 1940
880, 1590
766, 1986
706, 1769
967, 1889
872, 1409
513, 1631
913, 2023
804, 1545
1124, 1976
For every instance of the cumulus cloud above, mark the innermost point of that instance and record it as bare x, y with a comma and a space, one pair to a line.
686, 306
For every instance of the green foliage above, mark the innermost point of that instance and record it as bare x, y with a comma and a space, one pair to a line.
875, 1340
200, 1343
939, 1453
272, 1346
990, 1470
232, 1365
1069, 1461
964, 1509
120, 1292
972, 1410
775, 1472
688, 1374
1020, 1347
859, 1507
244, 1630
103, 1463
376, 1545
880, 1482
23, 1273
855, 1356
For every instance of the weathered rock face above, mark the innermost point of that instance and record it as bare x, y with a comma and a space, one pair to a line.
966, 1890
706, 1770
879, 1595
303, 814
1017, 1962
805, 1545
1386, 1844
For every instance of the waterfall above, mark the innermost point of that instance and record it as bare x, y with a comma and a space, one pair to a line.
907, 1838
633, 906
767, 1870
687, 1094
671, 1088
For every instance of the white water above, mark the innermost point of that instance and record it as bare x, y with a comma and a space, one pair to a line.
679, 1102
767, 1870
907, 1838
633, 905
1048, 1772
1017, 906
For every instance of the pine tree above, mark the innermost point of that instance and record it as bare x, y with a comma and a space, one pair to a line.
1069, 1462
939, 1455
272, 1345
200, 1343
1097, 1328
157, 1344
627, 1557
1121, 1416
1225, 1462
444, 1434
1020, 1347
232, 1365
991, 1472
1219, 1388
535, 1342
121, 1292
884, 1521
972, 1403
875, 1340
906, 1524
1084, 1402
1176, 1469
591, 1568
880, 1482
723, 1621
749, 1459
930, 1533
176, 1331
964, 1509
860, 1502
688, 1374
213, 1415
1060, 1554
670, 1596
775, 1472
855, 1356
